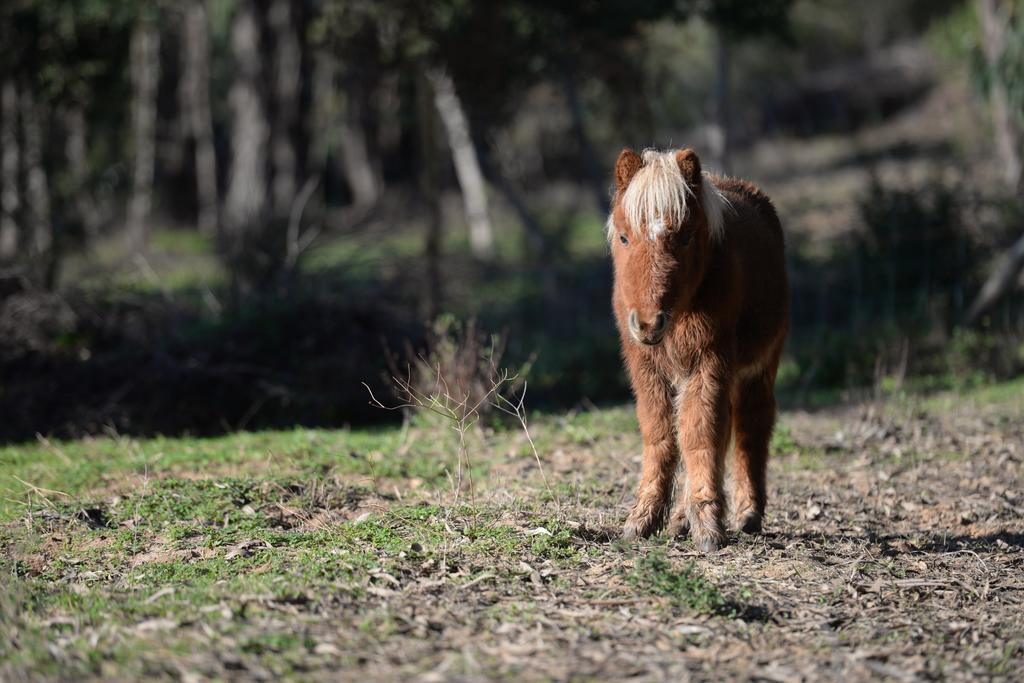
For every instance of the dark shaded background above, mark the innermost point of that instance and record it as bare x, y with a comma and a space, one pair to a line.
228, 214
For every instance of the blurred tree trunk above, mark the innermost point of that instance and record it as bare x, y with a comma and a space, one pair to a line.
995, 17
339, 126
286, 81
198, 116
355, 151
591, 166
722, 128
467, 164
75, 151
246, 205
388, 113
325, 111
430, 193
145, 74
10, 164
495, 163
37, 192
540, 254
535, 242
999, 282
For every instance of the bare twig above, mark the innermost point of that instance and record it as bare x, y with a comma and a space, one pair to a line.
460, 382
477, 580
518, 411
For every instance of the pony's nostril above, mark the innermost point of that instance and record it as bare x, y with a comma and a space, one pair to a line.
649, 332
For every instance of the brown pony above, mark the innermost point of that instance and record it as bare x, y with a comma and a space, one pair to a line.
702, 305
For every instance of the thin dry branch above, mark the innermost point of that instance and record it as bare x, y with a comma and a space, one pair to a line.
518, 411
461, 409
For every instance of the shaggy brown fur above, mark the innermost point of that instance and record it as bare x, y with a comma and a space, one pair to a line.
702, 312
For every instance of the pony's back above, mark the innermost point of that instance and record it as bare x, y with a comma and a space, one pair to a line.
756, 266
739, 191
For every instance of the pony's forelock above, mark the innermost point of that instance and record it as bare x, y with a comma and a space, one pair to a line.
658, 195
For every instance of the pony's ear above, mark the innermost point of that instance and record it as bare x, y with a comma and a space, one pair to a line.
689, 166
628, 163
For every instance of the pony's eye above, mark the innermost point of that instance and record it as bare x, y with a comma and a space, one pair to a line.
684, 238
622, 238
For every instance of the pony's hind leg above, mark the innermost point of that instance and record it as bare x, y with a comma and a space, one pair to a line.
753, 408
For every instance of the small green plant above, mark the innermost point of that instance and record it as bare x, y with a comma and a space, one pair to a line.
683, 586
558, 546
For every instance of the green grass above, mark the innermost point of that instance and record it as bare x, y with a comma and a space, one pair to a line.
131, 552
178, 263
179, 549
76, 467
1007, 396
683, 586
138, 534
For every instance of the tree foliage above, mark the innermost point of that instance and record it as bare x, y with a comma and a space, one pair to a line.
67, 50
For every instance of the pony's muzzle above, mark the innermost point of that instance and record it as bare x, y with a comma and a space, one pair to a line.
649, 333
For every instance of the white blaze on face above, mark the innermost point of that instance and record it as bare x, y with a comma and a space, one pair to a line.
656, 227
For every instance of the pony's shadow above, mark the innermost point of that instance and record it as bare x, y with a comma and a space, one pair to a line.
731, 608
928, 542
604, 534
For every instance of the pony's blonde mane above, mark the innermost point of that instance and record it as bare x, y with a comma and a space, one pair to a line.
657, 198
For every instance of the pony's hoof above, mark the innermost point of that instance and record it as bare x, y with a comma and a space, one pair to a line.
708, 542
636, 529
748, 522
644, 520
707, 545
679, 527
752, 525
708, 538
641, 526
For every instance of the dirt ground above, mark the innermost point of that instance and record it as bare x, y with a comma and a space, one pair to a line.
893, 550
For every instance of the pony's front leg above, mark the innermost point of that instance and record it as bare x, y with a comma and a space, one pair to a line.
704, 437
656, 415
